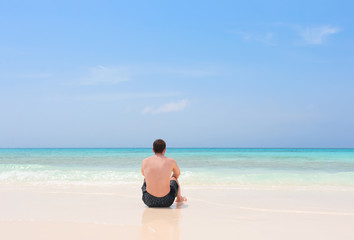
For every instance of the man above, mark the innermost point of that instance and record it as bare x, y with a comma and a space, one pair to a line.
160, 188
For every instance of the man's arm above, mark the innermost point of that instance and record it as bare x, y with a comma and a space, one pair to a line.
175, 170
142, 168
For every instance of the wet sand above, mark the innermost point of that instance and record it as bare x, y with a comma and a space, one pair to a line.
210, 213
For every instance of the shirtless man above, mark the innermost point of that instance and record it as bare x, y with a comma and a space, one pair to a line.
160, 188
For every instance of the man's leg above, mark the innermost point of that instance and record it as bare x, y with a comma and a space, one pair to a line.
179, 197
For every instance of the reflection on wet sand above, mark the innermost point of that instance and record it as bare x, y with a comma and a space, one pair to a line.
162, 223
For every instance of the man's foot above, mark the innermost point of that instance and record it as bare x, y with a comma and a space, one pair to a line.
181, 199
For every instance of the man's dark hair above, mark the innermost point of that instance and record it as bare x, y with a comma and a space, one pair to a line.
159, 146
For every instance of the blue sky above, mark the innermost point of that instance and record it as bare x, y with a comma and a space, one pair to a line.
195, 73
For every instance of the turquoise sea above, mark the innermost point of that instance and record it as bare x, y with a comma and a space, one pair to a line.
200, 167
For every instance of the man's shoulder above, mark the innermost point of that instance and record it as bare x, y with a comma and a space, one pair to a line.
171, 160
148, 158
153, 158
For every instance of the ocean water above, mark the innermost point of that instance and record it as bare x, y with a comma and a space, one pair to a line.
320, 168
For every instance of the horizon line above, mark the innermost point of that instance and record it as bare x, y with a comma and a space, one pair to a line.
177, 148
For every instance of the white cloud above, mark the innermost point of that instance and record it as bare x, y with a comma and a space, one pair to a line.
105, 76
112, 75
169, 107
279, 33
317, 35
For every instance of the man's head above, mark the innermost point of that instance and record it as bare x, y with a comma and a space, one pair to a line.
159, 146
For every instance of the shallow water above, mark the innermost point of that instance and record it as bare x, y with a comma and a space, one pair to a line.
209, 167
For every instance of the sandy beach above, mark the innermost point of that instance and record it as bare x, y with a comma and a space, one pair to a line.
210, 213
246, 104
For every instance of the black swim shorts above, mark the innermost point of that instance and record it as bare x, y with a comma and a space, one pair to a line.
164, 201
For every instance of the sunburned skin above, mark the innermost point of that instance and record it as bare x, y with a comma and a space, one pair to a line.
157, 171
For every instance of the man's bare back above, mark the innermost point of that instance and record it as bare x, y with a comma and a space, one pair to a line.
158, 170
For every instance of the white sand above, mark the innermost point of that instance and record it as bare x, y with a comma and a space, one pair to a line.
119, 213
